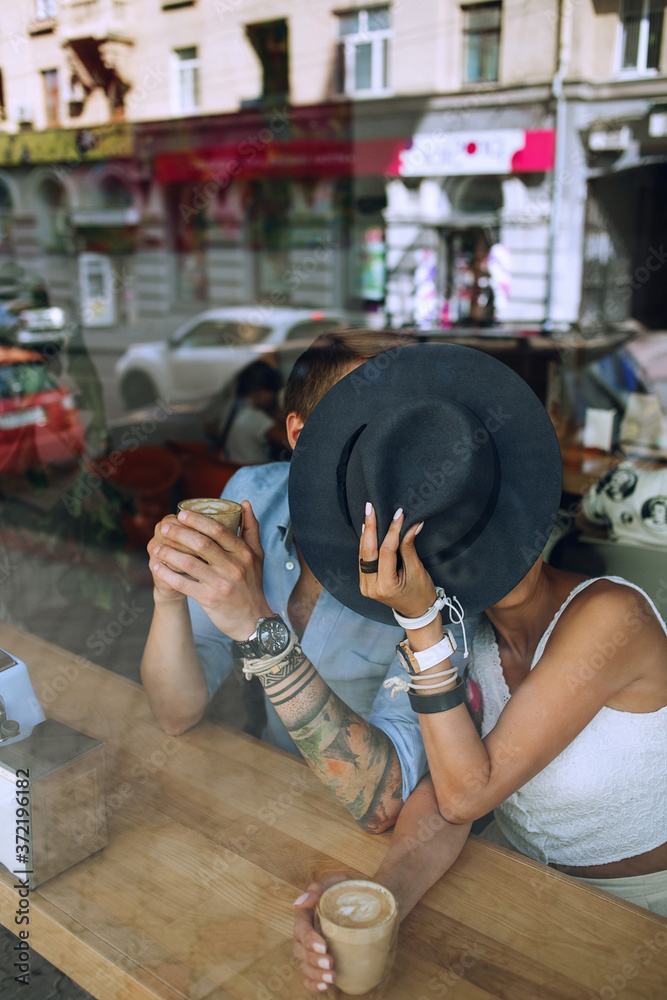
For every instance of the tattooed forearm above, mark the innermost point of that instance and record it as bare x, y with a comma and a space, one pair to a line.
357, 761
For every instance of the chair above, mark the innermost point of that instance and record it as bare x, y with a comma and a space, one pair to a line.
204, 475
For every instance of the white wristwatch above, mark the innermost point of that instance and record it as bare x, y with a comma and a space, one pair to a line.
415, 662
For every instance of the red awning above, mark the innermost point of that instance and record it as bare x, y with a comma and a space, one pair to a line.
295, 158
318, 158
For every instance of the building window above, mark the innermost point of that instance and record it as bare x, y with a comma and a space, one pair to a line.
45, 10
363, 51
481, 34
641, 25
270, 40
51, 97
186, 80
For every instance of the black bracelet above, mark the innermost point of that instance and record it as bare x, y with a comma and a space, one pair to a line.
431, 703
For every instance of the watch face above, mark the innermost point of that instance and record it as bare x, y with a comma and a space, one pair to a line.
273, 636
405, 659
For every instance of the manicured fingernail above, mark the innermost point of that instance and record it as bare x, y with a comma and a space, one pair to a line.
319, 948
397, 514
327, 977
363, 528
369, 509
322, 986
165, 529
302, 899
323, 963
419, 529
182, 515
157, 567
156, 549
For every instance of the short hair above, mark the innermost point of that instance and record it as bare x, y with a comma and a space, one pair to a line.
258, 375
329, 358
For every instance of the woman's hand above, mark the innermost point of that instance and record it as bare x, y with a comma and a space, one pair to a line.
310, 948
408, 590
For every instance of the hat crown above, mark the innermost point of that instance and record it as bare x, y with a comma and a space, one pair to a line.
433, 457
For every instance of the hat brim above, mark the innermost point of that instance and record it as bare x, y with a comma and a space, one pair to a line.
526, 445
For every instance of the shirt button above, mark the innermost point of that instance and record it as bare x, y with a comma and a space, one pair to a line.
289, 565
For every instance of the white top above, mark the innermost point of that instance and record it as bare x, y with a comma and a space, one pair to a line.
247, 442
604, 798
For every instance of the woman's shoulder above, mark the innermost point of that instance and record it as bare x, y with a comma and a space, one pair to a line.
607, 606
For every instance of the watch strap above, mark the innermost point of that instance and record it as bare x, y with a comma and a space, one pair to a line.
415, 662
436, 654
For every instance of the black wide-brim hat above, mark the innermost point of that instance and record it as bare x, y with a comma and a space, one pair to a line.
455, 438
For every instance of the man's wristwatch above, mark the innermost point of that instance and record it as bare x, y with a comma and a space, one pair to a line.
270, 638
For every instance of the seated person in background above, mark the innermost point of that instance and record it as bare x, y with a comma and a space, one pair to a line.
255, 430
568, 675
327, 699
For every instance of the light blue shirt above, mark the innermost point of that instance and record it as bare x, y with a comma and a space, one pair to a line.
352, 654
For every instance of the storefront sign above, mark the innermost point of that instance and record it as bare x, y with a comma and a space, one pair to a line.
494, 151
112, 140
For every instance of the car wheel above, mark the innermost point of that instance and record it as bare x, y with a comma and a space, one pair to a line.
137, 390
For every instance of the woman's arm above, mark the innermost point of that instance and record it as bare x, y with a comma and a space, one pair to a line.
595, 652
423, 847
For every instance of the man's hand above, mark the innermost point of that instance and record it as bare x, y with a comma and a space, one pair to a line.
199, 558
310, 948
163, 592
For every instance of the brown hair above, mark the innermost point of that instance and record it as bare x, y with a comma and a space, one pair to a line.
330, 357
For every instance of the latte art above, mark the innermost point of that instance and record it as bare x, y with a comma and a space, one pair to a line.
358, 907
226, 512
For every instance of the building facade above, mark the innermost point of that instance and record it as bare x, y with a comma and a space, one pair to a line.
434, 163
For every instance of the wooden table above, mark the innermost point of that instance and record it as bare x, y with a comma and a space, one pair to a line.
214, 834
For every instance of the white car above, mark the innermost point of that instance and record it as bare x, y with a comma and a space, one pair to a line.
205, 353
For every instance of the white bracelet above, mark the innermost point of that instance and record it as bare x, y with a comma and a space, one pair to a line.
436, 654
265, 664
427, 617
401, 684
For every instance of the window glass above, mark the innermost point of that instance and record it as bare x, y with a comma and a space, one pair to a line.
219, 333
186, 183
348, 24
481, 42
378, 19
312, 328
363, 67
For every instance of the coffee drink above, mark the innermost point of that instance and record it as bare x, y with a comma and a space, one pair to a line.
359, 920
226, 512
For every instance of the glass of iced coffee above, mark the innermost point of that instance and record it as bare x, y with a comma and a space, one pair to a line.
226, 512
359, 920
